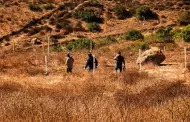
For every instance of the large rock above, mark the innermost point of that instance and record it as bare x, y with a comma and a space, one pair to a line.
153, 55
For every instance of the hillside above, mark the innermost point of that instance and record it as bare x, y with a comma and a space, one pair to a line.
19, 24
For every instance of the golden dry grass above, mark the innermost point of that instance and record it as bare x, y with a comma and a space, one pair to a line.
27, 95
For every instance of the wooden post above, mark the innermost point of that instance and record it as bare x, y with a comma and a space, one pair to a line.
185, 53
48, 47
94, 64
46, 65
43, 49
140, 65
13, 47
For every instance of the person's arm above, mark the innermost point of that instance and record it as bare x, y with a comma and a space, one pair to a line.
87, 63
115, 58
66, 61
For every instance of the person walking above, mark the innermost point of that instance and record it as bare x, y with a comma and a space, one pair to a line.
69, 63
120, 62
91, 62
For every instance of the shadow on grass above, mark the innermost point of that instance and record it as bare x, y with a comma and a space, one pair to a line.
153, 96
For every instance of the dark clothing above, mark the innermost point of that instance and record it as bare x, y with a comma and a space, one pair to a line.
119, 62
69, 63
69, 70
90, 62
118, 67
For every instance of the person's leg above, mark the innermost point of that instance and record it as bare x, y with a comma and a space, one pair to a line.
120, 68
90, 69
116, 68
67, 70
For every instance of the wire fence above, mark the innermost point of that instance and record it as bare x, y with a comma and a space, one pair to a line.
180, 57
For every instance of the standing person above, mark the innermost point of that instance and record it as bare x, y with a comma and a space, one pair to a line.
120, 62
69, 63
90, 62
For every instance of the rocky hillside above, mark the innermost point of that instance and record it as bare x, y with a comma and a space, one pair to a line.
21, 21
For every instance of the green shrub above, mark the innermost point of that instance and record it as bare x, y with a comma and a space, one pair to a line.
87, 15
65, 25
138, 45
142, 45
93, 27
177, 33
185, 33
133, 35
35, 7
56, 48
121, 12
83, 43
165, 34
105, 41
184, 18
144, 12
49, 6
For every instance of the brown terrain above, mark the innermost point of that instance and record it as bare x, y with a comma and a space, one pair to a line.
155, 94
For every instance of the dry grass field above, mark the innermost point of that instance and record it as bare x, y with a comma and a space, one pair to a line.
27, 95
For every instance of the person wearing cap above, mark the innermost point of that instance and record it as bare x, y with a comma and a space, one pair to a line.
90, 62
69, 63
120, 62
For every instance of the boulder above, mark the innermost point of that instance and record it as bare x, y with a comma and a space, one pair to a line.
153, 55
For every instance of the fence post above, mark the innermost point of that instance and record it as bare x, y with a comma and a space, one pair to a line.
43, 49
94, 64
46, 65
48, 46
13, 47
185, 53
140, 65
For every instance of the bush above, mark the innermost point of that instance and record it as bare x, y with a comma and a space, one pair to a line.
184, 18
133, 35
177, 33
35, 7
165, 34
121, 12
87, 15
64, 25
144, 12
57, 48
142, 45
105, 41
83, 43
185, 33
93, 27
49, 6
